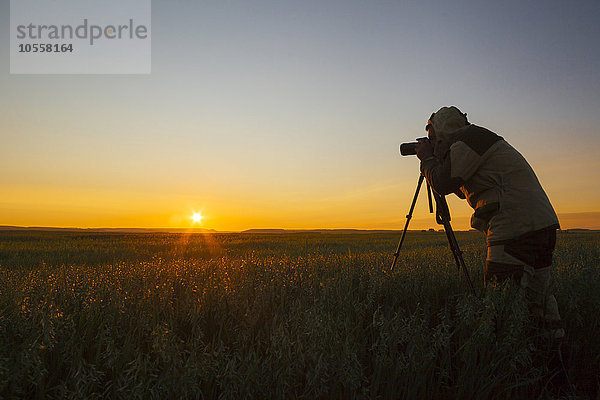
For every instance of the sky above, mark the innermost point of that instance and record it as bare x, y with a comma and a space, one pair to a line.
288, 114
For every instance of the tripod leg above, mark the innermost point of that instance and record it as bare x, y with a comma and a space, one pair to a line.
460, 261
443, 217
408, 217
454, 252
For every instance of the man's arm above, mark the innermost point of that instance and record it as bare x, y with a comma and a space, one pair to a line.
438, 176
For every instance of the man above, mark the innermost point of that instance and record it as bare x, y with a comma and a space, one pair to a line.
511, 207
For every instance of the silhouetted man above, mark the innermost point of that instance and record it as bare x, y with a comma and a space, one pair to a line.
511, 207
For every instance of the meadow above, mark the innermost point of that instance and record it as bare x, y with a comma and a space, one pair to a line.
283, 316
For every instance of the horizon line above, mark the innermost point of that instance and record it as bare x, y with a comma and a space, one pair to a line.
249, 230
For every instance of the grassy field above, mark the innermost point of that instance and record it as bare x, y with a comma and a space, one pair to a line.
306, 315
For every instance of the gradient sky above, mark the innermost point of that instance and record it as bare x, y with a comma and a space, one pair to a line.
281, 114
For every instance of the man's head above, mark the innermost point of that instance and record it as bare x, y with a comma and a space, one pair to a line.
442, 125
431, 130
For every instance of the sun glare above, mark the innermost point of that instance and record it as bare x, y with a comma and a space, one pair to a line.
196, 217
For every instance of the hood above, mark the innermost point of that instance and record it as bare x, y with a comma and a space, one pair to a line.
447, 122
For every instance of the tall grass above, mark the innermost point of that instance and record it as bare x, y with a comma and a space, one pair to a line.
283, 316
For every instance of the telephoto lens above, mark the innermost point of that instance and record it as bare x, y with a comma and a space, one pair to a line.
408, 149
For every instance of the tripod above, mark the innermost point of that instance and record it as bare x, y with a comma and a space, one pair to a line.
442, 217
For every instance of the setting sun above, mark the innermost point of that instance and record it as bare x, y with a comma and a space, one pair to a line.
196, 217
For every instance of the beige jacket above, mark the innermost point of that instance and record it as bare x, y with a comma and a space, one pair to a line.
496, 180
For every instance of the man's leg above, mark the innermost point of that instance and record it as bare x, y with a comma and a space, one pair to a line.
542, 304
500, 265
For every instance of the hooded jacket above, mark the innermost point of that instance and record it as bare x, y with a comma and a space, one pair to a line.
497, 181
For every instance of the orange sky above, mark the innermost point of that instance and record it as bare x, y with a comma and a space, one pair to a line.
125, 172
370, 207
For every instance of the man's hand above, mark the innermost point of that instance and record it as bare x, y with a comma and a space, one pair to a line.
424, 149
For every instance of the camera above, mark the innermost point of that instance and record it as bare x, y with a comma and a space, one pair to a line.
408, 149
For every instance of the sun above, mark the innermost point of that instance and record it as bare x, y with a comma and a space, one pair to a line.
196, 217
